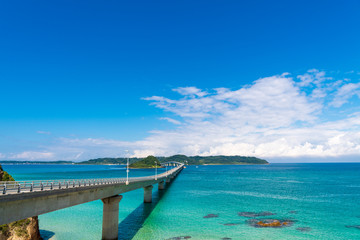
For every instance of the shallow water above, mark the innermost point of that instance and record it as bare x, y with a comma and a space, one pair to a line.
320, 200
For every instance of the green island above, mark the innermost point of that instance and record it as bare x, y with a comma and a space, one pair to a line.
148, 162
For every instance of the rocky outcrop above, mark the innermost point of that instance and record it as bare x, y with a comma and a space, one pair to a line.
4, 176
26, 229
270, 223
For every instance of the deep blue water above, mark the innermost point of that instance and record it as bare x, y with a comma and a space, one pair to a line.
321, 200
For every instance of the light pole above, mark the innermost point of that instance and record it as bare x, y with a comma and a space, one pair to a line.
127, 168
155, 170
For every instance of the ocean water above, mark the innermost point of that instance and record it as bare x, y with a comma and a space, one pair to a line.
321, 200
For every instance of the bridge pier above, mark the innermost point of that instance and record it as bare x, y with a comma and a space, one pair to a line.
148, 194
168, 180
161, 185
110, 225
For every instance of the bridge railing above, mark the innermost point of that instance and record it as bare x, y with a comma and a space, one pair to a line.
11, 187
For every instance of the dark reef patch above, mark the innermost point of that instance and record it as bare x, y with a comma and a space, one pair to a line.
353, 226
231, 224
270, 223
179, 238
211, 216
226, 238
304, 229
293, 212
255, 214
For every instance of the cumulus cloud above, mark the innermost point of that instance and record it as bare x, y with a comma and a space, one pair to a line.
276, 116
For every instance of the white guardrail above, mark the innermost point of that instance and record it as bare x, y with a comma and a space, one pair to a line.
14, 187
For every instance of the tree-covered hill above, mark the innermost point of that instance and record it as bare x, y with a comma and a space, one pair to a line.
148, 162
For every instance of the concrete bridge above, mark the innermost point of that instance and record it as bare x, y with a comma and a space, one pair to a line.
169, 164
20, 200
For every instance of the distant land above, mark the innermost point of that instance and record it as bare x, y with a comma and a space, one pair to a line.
35, 162
102, 161
148, 162
214, 160
193, 160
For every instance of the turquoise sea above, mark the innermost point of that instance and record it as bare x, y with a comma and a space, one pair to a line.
322, 201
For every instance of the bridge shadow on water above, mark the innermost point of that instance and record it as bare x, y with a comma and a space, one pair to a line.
46, 235
135, 220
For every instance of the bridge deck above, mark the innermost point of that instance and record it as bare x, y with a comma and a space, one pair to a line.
16, 187
39, 197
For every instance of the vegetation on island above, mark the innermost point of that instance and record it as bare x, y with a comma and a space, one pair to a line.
194, 160
148, 162
109, 161
215, 160
22, 229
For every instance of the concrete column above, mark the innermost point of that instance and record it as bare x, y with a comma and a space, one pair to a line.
161, 185
168, 180
110, 225
148, 194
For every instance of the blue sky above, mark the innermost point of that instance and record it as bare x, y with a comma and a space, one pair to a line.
79, 79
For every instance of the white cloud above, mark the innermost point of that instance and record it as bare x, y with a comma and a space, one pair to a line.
29, 155
171, 120
345, 92
312, 77
274, 116
190, 91
318, 93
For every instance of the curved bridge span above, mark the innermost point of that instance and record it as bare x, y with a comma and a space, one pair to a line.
23, 199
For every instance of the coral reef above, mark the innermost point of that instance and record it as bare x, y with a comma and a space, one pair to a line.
353, 226
231, 224
270, 223
211, 216
304, 229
